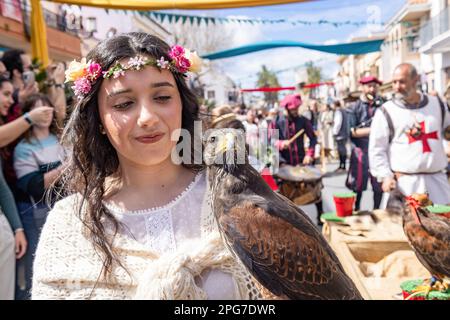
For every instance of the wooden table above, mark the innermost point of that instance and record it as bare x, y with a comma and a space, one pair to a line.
371, 246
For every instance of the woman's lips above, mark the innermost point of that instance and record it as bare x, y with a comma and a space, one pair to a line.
148, 139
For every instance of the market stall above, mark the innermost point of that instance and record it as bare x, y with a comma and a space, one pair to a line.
374, 252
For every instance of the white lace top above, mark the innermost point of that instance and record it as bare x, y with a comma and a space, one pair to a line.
164, 229
171, 252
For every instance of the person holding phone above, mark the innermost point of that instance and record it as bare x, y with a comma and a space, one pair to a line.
37, 162
20, 69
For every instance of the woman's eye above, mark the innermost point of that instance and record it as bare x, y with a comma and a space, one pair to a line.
163, 98
123, 105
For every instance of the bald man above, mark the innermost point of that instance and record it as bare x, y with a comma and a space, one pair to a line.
406, 140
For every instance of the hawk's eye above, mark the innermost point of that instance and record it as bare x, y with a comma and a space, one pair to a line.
212, 139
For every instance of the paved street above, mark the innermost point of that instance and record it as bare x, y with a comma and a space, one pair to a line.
336, 183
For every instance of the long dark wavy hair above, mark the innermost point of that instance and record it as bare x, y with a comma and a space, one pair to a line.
93, 158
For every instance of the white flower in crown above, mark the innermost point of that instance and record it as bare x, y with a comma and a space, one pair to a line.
137, 62
118, 73
162, 63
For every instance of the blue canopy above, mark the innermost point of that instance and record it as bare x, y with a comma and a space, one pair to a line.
342, 48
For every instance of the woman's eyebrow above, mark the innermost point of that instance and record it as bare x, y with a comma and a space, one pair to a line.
117, 92
161, 84
153, 85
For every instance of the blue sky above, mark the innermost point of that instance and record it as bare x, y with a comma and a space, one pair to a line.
243, 68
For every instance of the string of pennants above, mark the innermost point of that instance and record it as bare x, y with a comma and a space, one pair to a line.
399, 40
174, 17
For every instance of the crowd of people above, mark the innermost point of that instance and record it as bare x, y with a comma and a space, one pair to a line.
127, 212
30, 125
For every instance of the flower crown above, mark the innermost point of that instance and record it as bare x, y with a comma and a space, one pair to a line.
84, 74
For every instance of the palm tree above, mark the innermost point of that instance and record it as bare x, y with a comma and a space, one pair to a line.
268, 79
314, 74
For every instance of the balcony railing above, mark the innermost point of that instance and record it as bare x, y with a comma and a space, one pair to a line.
66, 23
436, 26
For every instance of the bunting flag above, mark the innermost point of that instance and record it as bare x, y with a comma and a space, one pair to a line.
308, 86
343, 48
165, 16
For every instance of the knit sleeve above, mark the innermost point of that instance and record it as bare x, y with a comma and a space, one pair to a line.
57, 252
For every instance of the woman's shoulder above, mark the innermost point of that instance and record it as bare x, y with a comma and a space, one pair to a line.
23, 149
67, 208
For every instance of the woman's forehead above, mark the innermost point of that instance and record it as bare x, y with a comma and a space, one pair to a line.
138, 79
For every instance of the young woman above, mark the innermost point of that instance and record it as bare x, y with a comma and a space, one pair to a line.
138, 224
37, 163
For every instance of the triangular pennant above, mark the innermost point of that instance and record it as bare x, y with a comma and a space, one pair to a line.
170, 17
191, 19
184, 18
162, 16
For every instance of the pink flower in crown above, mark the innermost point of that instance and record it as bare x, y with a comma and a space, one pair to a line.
182, 64
81, 86
94, 71
176, 51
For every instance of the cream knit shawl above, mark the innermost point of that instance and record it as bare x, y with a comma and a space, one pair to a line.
67, 266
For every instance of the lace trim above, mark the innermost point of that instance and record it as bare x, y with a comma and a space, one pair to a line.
160, 233
116, 210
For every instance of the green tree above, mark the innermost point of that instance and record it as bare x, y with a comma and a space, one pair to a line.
267, 78
314, 76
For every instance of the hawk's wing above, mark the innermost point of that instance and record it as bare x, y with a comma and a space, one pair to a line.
431, 243
283, 258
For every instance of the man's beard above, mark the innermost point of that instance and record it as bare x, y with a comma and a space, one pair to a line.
292, 116
403, 96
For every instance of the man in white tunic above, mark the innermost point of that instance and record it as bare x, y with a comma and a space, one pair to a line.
406, 141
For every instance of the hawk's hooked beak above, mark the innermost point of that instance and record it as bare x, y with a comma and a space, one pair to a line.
414, 206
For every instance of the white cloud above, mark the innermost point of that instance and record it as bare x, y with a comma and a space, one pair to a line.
365, 31
245, 34
331, 41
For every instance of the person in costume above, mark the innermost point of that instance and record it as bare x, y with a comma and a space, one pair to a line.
138, 223
360, 117
293, 153
340, 133
406, 147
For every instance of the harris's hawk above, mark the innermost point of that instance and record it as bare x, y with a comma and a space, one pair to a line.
429, 236
272, 237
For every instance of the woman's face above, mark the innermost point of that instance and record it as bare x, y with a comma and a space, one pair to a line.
49, 121
139, 111
6, 98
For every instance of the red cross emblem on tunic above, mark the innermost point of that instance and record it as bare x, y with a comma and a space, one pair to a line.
423, 136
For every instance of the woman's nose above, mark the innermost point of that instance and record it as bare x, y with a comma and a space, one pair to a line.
147, 117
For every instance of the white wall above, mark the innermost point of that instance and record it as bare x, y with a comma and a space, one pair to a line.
114, 19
